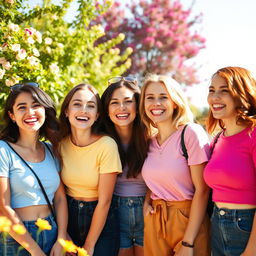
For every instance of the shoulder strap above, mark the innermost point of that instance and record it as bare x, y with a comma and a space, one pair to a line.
182, 142
49, 149
215, 141
38, 180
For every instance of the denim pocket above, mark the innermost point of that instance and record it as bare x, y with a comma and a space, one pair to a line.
244, 224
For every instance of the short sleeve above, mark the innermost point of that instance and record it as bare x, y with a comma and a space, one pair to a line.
109, 161
4, 160
254, 147
197, 144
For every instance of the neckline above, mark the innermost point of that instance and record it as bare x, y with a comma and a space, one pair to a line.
235, 135
83, 147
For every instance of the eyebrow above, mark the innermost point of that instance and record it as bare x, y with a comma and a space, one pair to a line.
222, 86
90, 101
154, 93
25, 103
126, 98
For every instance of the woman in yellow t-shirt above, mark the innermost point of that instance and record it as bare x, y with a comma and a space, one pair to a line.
89, 169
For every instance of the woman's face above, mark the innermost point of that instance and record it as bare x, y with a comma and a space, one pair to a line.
159, 106
82, 110
220, 101
28, 114
122, 107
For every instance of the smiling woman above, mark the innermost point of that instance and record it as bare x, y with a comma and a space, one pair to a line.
89, 169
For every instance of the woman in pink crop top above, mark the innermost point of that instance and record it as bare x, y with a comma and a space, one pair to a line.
90, 164
175, 208
231, 171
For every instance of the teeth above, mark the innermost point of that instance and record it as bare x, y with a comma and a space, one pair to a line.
31, 120
157, 112
122, 115
218, 105
82, 118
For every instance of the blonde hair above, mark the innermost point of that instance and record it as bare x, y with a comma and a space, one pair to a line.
182, 113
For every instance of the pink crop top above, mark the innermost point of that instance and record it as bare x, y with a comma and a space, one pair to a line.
231, 171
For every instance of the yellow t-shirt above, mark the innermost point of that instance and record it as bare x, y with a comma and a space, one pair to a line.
83, 165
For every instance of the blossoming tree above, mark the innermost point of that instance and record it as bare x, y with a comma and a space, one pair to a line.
38, 44
162, 34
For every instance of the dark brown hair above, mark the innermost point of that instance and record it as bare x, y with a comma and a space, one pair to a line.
137, 149
65, 128
49, 129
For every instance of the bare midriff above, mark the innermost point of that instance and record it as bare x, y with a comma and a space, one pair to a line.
235, 206
33, 212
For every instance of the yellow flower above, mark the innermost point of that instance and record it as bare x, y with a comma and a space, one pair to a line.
82, 252
19, 229
5, 224
68, 246
43, 224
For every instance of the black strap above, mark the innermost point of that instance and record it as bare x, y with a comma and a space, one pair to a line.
182, 142
214, 142
38, 180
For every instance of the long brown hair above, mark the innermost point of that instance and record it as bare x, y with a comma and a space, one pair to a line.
65, 128
242, 86
136, 153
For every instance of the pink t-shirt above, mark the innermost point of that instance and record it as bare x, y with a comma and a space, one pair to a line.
231, 171
166, 171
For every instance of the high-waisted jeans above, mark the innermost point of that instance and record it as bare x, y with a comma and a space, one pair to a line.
45, 240
230, 231
80, 217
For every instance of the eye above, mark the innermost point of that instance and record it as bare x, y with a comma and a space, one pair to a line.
211, 90
36, 105
149, 98
21, 108
225, 91
129, 101
91, 106
113, 103
76, 104
163, 97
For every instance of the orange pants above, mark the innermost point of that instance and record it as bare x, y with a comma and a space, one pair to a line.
164, 230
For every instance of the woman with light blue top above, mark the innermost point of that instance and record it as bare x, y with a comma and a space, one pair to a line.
121, 121
30, 115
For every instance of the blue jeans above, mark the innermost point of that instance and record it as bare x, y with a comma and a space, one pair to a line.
46, 239
80, 217
130, 215
230, 231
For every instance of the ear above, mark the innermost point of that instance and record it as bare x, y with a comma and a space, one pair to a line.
11, 115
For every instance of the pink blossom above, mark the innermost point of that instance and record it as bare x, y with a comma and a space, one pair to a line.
10, 82
151, 30
36, 52
159, 44
13, 27
33, 61
149, 40
38, 36
2, 60
30, 40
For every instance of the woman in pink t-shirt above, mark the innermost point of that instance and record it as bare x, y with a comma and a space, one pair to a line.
231, 171
175, 206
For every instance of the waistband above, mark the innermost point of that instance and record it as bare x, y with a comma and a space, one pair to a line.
233, 213
160, 207
125, 199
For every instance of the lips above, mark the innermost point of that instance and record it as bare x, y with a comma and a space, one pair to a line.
157, 112
82, 118
218, 107
122, 116
31, 120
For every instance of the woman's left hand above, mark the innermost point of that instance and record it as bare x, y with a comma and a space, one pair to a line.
185, 251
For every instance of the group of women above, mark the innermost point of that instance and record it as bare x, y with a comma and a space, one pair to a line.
129, 173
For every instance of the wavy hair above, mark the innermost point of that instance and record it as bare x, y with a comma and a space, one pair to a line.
136, 153
49, 129
242, 86
181, 114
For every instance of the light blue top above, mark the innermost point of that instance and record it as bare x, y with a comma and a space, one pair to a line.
24, 187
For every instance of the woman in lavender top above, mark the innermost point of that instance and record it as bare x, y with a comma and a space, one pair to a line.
121, 121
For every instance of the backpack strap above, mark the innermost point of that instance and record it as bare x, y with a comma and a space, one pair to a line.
182, 142
215, 141
49, 149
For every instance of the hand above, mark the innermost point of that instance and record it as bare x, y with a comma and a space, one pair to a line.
90, 250
148, 209
56, 249
248, 253
185, 251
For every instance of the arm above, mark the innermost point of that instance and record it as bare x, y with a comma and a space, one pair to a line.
105, 189
147, 207
60, 205
198, 208
250, 249
7, 211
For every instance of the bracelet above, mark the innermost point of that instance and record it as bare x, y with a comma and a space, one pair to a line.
186, 244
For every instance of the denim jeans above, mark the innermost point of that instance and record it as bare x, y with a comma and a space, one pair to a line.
46, 239
230, 231
80, 217
130, 215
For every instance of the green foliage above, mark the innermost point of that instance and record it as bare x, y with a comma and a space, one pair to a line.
45, 48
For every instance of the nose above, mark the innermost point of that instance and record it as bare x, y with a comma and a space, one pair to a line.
122, 105
31, 110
